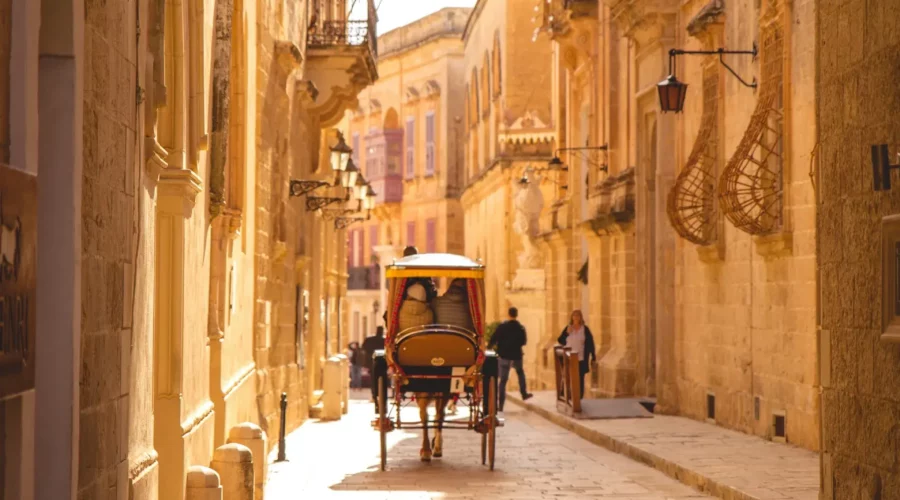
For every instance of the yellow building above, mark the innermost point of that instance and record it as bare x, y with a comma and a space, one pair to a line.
695, 230
165, 277
508, 129
406, 138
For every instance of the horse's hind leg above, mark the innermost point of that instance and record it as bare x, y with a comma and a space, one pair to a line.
440, 406
425, 452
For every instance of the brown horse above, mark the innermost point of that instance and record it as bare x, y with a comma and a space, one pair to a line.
440, 404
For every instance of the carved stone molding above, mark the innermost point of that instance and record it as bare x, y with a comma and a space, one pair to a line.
288, 55
306, 92
708, 25
374, 106
431, 89
411, 95
643, 21
180, 182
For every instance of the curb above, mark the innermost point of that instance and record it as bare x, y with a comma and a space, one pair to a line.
676, 471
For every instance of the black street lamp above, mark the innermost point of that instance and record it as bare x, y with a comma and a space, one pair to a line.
672, 92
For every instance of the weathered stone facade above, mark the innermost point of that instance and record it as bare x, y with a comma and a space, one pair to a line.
407, 135
508, 131
716, 323
171, 256
856, 96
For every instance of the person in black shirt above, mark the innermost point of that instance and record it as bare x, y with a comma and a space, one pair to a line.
509, 339
370, 345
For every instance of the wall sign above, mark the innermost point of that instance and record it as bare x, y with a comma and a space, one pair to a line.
18, 283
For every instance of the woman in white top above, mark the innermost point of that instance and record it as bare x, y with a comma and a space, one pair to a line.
578, 337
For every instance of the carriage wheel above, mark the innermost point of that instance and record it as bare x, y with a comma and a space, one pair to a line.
382, 414
492, 416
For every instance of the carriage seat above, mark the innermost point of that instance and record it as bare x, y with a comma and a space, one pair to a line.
436, 346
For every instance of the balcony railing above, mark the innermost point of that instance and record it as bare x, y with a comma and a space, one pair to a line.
363, 278
355, 33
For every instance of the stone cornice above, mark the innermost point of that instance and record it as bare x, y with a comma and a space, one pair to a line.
446, 23
180, 181
473, 19
642, 20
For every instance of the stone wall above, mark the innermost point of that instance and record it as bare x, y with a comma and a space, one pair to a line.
745, 305
856, 101
277, 223
116, 428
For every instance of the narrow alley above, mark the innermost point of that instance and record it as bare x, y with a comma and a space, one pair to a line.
535, 459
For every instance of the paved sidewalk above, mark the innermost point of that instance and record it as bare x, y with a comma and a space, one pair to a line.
714, 460
535, 460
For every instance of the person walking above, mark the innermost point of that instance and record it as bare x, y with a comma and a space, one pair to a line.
370, 345
354, 353
509, 338
578, 337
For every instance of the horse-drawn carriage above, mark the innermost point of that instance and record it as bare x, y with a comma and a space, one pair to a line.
435, 362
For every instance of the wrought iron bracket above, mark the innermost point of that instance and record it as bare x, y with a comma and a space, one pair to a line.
344, 222
314, 203
300, 188
881, 167
333, 213
721, 53
586, 153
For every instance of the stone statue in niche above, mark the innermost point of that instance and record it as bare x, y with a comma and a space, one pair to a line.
529, 202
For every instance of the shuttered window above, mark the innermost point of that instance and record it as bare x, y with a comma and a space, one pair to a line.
431, 236
411, 233
410, 147
429, 144
360, 247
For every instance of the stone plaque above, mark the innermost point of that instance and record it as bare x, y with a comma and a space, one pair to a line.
18, 280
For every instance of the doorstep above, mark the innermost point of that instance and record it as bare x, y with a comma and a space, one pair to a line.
714, 460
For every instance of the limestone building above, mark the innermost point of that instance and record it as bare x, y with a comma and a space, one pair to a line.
857, 247
158, 256
406, 136
688, 238
508, 131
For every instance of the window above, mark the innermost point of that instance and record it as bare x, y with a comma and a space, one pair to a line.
351, 248
373, 238
411, 234
429, 143
431, 235
355, 147
360, 247
410, 147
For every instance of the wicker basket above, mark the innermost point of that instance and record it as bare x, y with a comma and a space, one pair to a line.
414, 313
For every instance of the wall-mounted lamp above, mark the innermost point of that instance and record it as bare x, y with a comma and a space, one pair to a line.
314, 203
673, 92
587, 153
340, 163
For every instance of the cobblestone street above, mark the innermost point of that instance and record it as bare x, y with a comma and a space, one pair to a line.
535, 459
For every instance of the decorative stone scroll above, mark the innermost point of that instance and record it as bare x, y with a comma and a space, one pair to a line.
750, 189
691, 202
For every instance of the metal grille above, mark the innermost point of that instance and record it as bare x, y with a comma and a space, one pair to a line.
340, 33
751, 184
691, 203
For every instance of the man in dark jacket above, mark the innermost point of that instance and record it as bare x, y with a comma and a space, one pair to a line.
509, 339
370, 345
